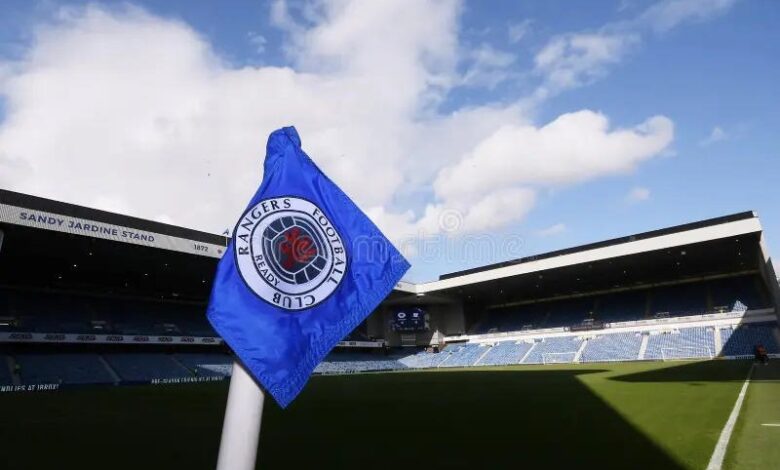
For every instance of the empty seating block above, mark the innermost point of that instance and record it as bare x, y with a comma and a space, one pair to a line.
463, 356
612, 347
506, 352
623, 306
346, 362
62, 369
695, 342
146, 367
552, 350
5, 373
207, 365
741, 341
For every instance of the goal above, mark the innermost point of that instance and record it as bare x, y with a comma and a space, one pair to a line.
559, 357
681, 353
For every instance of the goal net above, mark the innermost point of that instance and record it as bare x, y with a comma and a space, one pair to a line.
559, 357
686, 352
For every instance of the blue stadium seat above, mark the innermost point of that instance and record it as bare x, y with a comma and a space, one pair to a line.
463, 356
742, 340
62, 369
207, 365
612, 347
506, 352
694, 342
144, 367
5, 373
737, 293
622, 306
553, 350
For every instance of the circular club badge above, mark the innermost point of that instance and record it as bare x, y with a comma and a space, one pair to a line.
289, 253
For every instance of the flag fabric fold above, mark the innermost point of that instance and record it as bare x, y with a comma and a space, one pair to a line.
304, 268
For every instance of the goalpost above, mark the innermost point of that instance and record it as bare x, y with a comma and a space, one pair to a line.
681, 353
559, 357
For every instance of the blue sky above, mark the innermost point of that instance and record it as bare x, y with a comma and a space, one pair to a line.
513, 127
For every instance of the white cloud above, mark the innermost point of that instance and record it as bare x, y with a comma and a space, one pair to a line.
487, 66
573, 148
576, 59
668, 14
97, 117
716, 135
638, 194
573, 60
518, 31
552, 230
258, 41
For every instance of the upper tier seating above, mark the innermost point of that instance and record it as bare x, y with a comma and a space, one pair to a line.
736, 293
622, 306
681, 299
696, 298
68, 313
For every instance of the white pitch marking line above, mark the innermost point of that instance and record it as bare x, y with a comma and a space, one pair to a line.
716, 461
777, 425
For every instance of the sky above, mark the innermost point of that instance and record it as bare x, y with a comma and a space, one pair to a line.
470, 132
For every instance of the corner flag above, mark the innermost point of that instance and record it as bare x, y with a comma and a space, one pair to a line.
304, 268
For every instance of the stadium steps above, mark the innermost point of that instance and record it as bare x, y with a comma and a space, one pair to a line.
643, 347
718, 342
578, 355
528, 353
487, 350
175, 359
114, 376
9, 363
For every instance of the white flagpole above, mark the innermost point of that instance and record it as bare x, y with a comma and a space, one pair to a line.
241, 428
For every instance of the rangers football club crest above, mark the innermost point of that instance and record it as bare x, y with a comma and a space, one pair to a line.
289, 253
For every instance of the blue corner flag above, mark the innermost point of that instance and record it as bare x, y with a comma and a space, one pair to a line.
304, 268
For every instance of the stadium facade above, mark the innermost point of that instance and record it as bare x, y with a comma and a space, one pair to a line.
89, 296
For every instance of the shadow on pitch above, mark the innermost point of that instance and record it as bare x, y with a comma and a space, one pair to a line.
476, 419
707, 371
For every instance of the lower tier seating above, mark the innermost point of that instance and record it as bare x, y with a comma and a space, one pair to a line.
698, 342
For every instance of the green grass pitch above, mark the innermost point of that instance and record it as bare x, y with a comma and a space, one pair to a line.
627, 416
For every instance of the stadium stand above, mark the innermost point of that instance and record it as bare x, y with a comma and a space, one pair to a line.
206, 365
742, 340
143, 367
62, 368
463, 356
5, 372
622, 306
555, 349
612, 347
343, 362
694, 342
44, 312
678, 300
736, 293
506, 352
